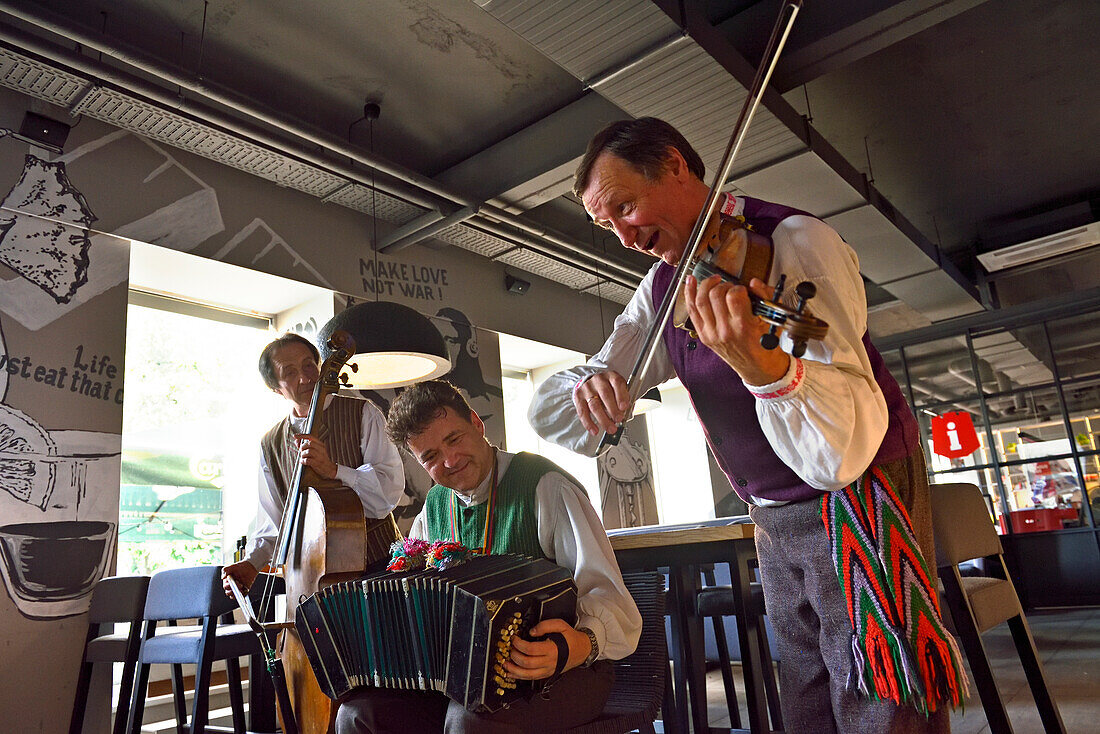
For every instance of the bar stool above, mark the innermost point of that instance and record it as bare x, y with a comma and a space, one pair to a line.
189, 593
715, 601
114, 599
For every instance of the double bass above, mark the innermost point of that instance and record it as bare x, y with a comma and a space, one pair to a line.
324, 538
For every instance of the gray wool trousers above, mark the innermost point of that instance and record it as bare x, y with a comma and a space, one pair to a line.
809, 616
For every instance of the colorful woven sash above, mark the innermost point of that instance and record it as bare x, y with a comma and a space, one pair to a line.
901, 650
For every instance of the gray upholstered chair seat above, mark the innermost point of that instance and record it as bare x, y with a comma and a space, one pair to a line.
192, 594
717, 601
115, 599
993, 600
173, 644
107, 648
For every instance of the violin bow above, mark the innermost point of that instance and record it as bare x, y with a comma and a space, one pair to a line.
778, 39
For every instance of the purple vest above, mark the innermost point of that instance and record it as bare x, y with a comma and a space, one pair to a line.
727, 409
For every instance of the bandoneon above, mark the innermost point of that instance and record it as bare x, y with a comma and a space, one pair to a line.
447, 631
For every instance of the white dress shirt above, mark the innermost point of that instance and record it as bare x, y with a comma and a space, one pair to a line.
379, 481
572, 536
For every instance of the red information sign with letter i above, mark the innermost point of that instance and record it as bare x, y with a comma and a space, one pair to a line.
953, 435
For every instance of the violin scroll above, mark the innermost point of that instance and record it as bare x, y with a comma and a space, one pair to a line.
738, 255
797, 322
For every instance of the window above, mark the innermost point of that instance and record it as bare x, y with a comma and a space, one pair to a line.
194, 408
195, 405
524, 364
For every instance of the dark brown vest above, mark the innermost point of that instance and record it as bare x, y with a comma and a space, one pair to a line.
341, 428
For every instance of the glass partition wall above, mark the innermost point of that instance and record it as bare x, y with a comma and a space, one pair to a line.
1010, 401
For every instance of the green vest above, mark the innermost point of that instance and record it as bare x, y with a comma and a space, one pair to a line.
515, 528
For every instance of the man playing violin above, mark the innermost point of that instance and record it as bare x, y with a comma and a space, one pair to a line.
785, 430
507, 503
350, 446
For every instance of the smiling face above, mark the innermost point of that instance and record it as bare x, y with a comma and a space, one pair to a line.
654, 216
296, 371
454, 451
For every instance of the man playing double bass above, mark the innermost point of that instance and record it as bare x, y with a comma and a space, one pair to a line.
350, 446
793, 434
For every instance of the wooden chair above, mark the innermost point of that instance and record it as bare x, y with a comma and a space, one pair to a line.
963, 532
115, 599
640, 678
189, 593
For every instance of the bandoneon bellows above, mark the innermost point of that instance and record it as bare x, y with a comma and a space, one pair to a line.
430, 630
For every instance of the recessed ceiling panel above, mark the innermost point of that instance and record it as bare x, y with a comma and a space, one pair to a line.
474, 240
612, 292
684, 85
885, 254
820, 190
29, 76
361, 198
585, 37
548, 267
935, 294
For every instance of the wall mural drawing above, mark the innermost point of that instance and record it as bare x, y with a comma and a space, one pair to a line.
182, 223
272, 247
627, 495
47, 251
54, 542
465, 353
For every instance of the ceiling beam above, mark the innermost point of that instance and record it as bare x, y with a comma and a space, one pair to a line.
861, 37
514, 169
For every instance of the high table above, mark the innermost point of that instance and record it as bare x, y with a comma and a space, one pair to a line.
682, 548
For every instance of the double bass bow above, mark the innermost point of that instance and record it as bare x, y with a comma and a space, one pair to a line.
731, 250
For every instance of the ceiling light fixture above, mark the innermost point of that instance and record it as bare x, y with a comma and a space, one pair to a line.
1042, 248
395, 346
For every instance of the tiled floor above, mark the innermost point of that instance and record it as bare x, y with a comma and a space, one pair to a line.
1069, 644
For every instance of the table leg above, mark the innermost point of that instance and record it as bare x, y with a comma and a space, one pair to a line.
752, 664
685, 581
676, 717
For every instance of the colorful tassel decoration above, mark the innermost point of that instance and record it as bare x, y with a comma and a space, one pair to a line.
900, 648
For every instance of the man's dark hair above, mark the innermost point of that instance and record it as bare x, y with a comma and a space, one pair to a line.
643, 143
420, 404
267, 356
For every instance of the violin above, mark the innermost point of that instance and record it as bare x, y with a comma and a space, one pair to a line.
730, 249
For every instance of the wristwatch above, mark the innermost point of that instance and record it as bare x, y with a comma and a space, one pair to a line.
595, 647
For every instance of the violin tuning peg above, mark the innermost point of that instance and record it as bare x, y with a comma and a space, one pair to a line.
799, 348
353, 367
779, 289
805, 291
769, 341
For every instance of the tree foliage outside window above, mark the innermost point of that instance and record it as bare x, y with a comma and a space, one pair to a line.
195, 406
